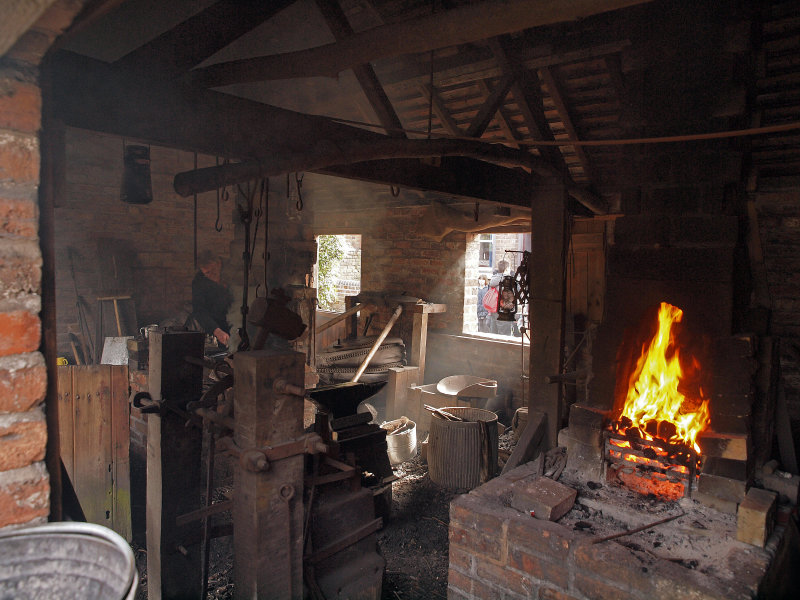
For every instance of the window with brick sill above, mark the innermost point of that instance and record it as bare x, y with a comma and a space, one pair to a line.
337, 272
489, 254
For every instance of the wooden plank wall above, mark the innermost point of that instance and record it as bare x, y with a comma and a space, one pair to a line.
586, 263
94, 418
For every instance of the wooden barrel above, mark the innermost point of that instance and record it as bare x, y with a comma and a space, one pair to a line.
463, 454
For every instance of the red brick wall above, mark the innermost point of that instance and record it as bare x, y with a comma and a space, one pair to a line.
24, 487
396, 260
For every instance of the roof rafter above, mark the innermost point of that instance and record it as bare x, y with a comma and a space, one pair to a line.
490, 107
554, 89
93, 95
439, 109
529, 100
365, 74
462, 25
188, 44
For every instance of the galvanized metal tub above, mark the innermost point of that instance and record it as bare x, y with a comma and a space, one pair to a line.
66, 560
463, 454
401, 440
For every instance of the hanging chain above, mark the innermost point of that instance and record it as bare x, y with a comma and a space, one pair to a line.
218, 223
299, 181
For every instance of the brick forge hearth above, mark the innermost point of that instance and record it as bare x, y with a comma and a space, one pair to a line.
497, 551
722, 541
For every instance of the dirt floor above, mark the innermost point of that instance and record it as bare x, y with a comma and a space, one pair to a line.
413, 542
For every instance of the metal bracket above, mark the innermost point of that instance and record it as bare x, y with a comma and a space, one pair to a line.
258, 459
152, 406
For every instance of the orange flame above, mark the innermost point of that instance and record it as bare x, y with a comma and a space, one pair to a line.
653, 389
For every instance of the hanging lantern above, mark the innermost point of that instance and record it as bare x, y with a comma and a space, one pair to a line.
136, 185
507, 299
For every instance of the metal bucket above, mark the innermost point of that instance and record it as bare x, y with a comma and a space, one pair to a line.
463, 454
402, 445
66, 560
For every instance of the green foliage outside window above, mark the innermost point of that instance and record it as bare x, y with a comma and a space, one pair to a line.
329, 253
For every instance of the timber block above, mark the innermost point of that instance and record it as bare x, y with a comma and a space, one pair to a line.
786, 485
756, 517
729, 507
725, 488
519, 422
586, 424
725, 445
581, 457
542, 498
726, 467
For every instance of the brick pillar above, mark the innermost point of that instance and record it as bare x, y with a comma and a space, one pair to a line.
24, 484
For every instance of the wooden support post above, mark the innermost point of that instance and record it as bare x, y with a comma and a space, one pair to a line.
398, 397
268, 505
173, 468
418, 340
547, 283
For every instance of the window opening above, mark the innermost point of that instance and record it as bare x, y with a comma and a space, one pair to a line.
489, 257
338, 270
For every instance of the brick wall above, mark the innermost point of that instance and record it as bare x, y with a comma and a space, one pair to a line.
396, 260
497, 551
495, 359
779, 225
24, 483
114, 246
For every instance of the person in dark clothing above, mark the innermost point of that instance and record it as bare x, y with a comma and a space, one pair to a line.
483, 314
210, 298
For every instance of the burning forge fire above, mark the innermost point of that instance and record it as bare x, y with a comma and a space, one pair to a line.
665, 400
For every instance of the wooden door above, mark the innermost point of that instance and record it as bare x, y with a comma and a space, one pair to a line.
94, 429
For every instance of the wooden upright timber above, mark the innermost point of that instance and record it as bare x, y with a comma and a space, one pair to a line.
268, 505
547, 283
462, 25
173, 468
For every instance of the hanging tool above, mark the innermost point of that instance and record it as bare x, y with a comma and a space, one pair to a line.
88, 353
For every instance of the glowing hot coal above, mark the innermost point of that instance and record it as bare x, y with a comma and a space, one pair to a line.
664, 401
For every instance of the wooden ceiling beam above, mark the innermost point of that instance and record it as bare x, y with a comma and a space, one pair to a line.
365, 74
324, 153
187, 45
502, 121
490, 107
549, 79
18, 17
90, 94
90, 13
463, 25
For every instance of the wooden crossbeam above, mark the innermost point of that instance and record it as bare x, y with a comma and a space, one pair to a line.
439, 109
490, 107
176, 51
365, 74
505, 127
529, 100
462, 25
